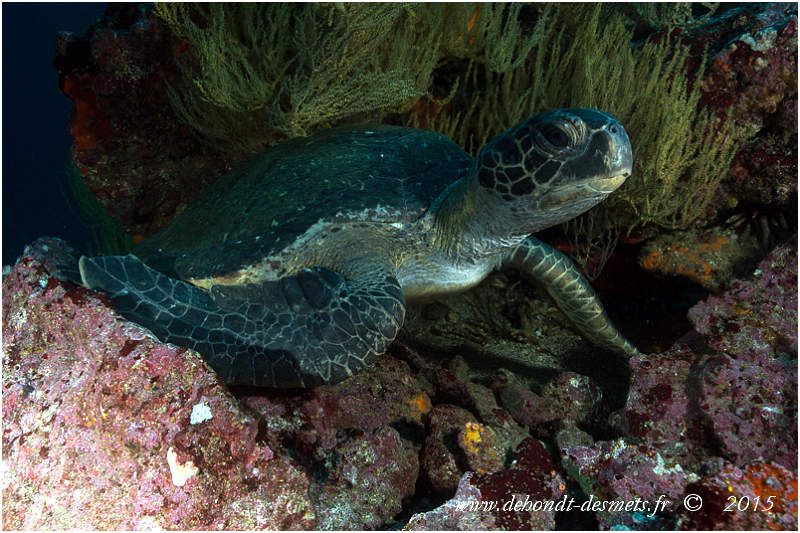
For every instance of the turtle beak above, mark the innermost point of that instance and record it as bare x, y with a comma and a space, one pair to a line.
620, 164
607, 185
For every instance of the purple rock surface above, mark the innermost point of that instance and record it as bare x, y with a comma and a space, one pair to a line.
105, 427
757, 496
506, 500
463, 512
752, 73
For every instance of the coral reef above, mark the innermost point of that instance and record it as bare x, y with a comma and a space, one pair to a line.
130, 148
710, 416
106, 428
488, 396
753, 75
711, 257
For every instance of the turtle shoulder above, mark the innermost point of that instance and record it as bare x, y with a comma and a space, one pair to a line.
377, 173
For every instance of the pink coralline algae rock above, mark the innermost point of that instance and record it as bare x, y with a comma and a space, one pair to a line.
758, 496
106, 428
724, 394
754, 75
508, 500
386, 393
617, 471
748, 393
733, 382
751, 408
534, 477
464, 512
568, 396
345, 433
757, 317
367, 482
660, 380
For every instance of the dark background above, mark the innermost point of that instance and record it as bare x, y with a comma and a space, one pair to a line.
36, 140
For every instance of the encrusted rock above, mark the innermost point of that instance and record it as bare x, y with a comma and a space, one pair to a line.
757, 317
618, 471
521, 492
464, 512
754, 77
567, 397
143, 164
98, 432
442, 462
757, 496
711, 258
105, 427
368, 479
512, 499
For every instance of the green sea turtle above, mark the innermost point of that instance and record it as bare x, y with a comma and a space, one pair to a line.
295, 268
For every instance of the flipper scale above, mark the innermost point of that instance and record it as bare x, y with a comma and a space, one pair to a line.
299, 331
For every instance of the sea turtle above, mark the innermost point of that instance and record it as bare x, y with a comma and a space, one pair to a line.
295, 268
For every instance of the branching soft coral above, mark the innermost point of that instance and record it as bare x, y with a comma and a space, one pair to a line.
263, 72
584, 59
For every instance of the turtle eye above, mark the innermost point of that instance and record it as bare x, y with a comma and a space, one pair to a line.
555, 135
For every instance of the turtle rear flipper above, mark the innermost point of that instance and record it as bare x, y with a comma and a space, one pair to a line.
315, 327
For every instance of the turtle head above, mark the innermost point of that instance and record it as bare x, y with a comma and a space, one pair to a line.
553, 167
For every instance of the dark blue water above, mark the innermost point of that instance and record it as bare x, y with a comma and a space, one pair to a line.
36, 140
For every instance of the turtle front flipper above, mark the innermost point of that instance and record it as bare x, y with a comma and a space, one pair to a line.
315, 327
571, 292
